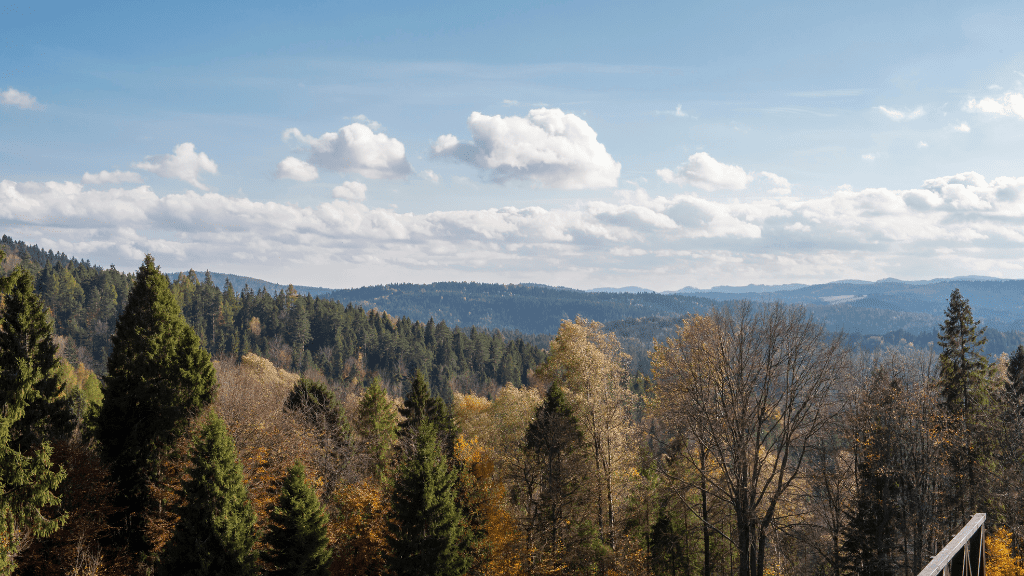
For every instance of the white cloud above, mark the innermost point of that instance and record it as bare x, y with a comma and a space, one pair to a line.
962, 127
295, 169
184, 164
692, 237
899, 115
869, 156
430, 176
922, 144
355, 191
706, 173
548, 147
1008, 104
355, 148
23, 100
115, 177
362, 119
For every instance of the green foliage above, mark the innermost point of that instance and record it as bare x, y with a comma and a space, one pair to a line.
297, 539
216, 532
28, 480
963, 366
1015, 372
29, 364
159, 377
377, 425
429, 532
421, 407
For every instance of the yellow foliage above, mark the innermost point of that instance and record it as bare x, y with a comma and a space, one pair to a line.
999, 560
359, 531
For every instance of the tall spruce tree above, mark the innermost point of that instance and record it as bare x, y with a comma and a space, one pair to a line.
216, 532
421, 406
29, 363
1015, 373
964, 375
28, 481
378, 427
297, 542
159, 377
429, 535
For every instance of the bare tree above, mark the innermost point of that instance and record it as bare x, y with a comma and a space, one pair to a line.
750, 387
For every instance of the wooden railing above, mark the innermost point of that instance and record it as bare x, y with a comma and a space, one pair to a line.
964, 555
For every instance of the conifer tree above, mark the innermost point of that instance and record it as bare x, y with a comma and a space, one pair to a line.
378, 427
1015, 373
158, 378
28, 481
429, 532
964, 375
216, 532
297, 539
29, 362
421, 406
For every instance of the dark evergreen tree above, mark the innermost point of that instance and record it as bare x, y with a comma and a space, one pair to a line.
964, 380
429, 533
421, 406
297, 539
554, 441
29, 363
318, 406
28, 481
216, 532
1015, 373
159, 377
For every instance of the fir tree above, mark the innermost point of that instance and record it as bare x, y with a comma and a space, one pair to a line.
216, 532
377, 425
29, 362
1015, 373
429, 533
158, 378
28, 481
297, 539
421, 406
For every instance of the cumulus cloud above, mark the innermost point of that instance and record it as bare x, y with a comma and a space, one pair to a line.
922, 144
294, 169
868, 156
962, 127
115, 177
430, 176
23, 100
355, 191
706, 173
1008, 104
547, 147
355, 148
184, 164
899, 115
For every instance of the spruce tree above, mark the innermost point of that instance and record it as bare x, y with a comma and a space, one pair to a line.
429, 535
377, 425
216, 532
159, 377
964, 375
1015, 373
297, 539
28, 481
421, 406
29, 363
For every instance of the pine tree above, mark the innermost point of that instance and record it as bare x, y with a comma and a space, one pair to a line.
159, 377
1015, 373
216, 532
29, 361
429, 533
421, 406
378, 427
297, 539
28, 481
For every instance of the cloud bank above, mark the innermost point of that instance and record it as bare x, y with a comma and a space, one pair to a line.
183, 164
962, 221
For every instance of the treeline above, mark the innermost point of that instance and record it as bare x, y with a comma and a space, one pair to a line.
323, 338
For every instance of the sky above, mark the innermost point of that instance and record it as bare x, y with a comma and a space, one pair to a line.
581, 144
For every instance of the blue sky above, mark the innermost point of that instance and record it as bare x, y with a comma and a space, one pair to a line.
575, 143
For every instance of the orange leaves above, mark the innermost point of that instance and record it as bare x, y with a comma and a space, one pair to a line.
1000, 560
359, 530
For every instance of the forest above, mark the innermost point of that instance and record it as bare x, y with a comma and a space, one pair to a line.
167, 426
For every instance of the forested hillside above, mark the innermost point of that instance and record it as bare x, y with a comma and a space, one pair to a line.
324, 338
